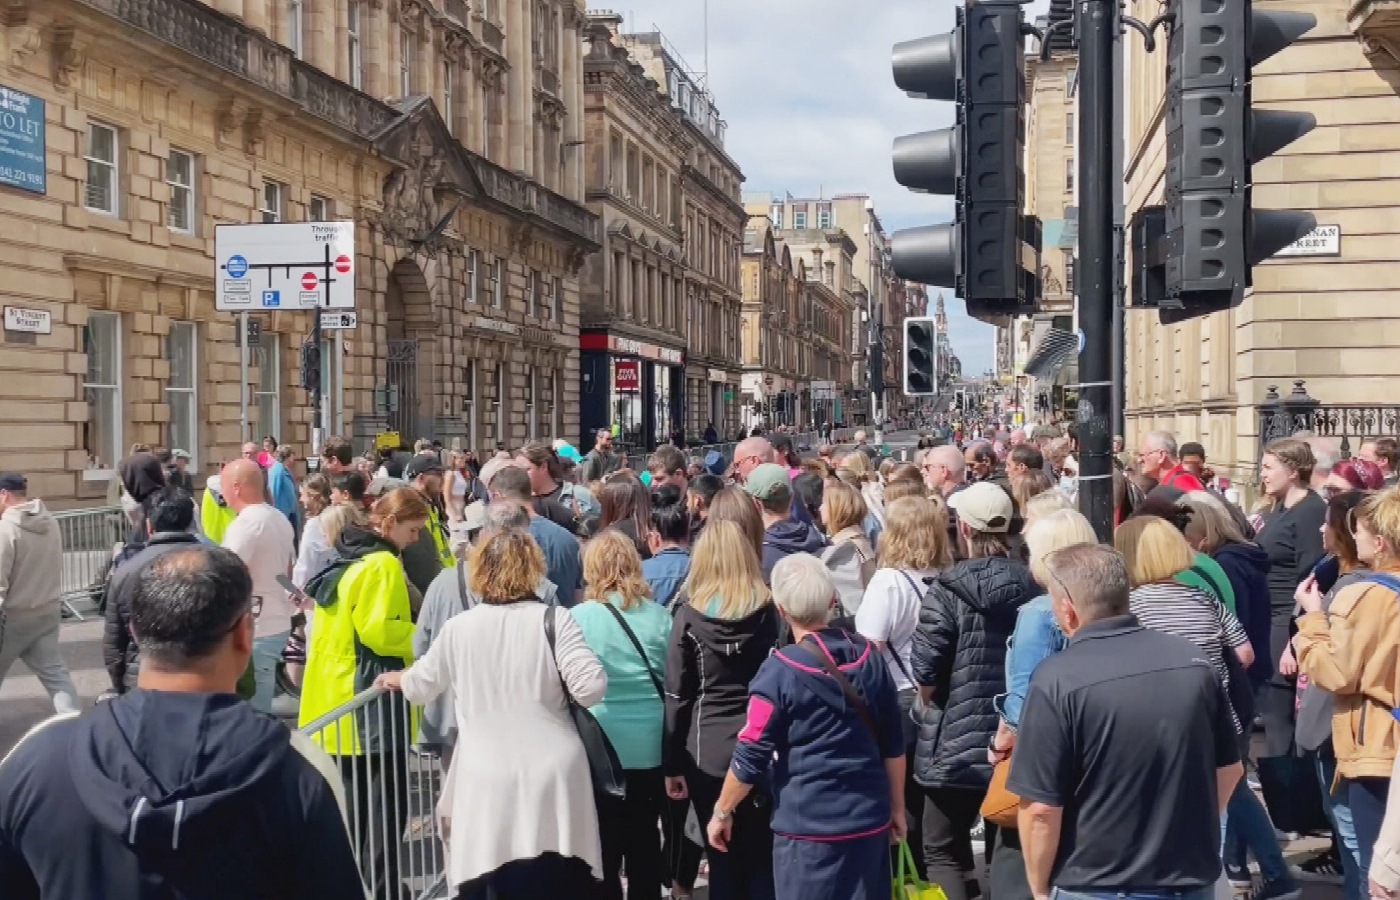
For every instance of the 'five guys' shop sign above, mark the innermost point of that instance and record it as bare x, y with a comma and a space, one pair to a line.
622, 346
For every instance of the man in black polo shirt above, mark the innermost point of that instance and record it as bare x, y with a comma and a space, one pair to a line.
1126, 752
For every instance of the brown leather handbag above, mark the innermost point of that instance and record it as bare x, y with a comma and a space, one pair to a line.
1000, 805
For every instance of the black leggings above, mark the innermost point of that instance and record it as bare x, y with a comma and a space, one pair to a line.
745, 870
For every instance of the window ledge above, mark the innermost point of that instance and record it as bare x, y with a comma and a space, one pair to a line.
187, 241
107, 222
1376, 24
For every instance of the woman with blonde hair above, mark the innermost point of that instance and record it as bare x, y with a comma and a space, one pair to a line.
1042, 505
511, 663
733, 505
628, 632
1351, 650
1036, 637
720, 636
913, 548
850, 557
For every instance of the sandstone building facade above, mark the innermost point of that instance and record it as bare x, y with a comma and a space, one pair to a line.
1323, 313
449, 131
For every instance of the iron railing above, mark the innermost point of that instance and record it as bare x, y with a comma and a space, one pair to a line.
90, 539
1348, 424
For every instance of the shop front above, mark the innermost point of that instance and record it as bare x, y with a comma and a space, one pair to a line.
635, 388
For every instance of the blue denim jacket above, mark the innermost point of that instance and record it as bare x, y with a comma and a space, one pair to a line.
1037, 636
666, 572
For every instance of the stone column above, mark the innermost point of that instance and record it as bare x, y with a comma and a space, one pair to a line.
256, 15
375, 35
320, 36
230, 8
520, 104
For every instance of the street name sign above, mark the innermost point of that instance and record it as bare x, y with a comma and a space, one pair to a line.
284, 265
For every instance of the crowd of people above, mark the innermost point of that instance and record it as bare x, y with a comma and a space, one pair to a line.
785, 673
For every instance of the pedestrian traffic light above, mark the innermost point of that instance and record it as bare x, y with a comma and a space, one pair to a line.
985, 253
311, 367
920, 357
1213, 233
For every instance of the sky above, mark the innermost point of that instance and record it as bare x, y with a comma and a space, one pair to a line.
806, 88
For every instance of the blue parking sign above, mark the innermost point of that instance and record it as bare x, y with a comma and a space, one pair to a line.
236, 267
271, 298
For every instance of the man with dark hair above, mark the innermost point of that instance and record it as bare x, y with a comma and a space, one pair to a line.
601, 459
1024, 458
667, 466
783, 534
1193, 459
563, 562
1384, 452
178, 788
170, 520
348, 487
1090, 747
432, 552
336, 455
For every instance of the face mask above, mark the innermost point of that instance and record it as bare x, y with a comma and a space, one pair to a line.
1069, 483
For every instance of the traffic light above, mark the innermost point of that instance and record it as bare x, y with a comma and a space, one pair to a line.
311, 367
920, 356
989, 248
1213, 234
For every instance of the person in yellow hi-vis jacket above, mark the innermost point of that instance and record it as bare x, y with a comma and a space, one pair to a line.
215, 515
364, 627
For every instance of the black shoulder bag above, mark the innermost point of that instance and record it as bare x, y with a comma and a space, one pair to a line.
603, 765
632, 636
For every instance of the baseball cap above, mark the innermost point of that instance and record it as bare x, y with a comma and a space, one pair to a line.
180, 454
714, 463
383, 485
13, 481
422, 464
984, 507
767, 480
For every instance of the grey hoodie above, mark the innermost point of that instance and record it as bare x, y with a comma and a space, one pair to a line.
31, 560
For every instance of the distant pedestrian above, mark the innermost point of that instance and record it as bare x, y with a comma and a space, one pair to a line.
179, 788
31, 584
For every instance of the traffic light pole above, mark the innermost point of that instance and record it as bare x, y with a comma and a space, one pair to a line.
1098, 33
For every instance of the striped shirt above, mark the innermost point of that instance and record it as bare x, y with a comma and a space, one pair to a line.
1179, 609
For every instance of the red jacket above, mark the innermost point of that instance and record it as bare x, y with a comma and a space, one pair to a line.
1177, 477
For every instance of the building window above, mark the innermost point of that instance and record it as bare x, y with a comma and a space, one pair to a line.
273, 194
554, 403
355, 57
181, 351
1069, 176
101, 193
500, 403
320, 209
498, 284
449, 114
532, 411
1071, 81
469, 402
473, 284
1069, 274
799, 219
405, 63
777, 217
179, 175
102, 389
1069, 129
267, 395
824, 216
294, 30
556, 293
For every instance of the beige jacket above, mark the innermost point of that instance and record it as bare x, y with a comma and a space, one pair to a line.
31, 560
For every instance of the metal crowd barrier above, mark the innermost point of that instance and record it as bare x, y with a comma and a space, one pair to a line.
391, 790
90, 538
638, 461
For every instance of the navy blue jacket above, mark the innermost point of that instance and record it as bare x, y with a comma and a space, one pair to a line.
170, 796
824, 767
1247, 567
783, 539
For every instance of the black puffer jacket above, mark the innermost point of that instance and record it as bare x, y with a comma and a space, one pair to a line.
965, 621
119, 652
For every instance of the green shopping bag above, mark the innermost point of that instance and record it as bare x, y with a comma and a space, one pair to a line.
907, 885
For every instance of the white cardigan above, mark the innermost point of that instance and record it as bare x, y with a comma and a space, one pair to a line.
519, 777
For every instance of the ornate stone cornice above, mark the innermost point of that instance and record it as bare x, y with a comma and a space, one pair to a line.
1376, 24
267, 77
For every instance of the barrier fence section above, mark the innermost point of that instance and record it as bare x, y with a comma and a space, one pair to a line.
90, 537
638, 461
392, 784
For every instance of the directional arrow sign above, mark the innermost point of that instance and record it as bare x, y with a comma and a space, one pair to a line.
339, 320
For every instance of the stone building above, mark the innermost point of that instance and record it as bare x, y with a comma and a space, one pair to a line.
830, 297
1323, 310
660, 312
446, 132
1041, 347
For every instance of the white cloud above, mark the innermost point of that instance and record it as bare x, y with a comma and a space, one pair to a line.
806, 88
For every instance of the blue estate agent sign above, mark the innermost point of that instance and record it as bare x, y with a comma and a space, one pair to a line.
22, 162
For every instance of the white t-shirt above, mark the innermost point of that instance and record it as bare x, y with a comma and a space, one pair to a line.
889, 613
262, 537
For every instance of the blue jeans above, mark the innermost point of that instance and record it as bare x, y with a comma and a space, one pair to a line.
1366, 796
1354, 886
1205, 893
1246, 826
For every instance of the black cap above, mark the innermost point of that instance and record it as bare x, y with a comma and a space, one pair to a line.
422, 464
13, 481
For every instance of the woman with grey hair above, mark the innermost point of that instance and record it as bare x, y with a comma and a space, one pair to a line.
823, 732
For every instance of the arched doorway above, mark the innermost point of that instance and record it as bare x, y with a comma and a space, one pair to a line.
408, 376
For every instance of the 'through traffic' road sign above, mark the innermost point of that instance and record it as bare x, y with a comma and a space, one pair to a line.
264, 266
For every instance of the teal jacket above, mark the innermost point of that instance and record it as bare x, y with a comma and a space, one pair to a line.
631, 711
